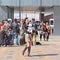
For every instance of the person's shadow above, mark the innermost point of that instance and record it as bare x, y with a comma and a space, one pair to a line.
44, 55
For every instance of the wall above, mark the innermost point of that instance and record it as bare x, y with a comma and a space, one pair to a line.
22, 2
30, 2
3, 13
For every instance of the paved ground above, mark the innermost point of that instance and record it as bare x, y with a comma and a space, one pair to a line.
47, 51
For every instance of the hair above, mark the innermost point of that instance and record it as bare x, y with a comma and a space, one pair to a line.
15, 19
25, 20
10, 27
5, 20
33, 19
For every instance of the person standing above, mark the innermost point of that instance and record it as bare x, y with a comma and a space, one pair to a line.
0, 33
4, 33
42, 30
22, 30
15, 28
47, 30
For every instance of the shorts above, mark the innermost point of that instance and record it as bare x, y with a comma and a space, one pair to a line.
27, 39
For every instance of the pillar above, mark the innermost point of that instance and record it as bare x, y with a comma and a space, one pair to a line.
42, 14
56, 20
10, 12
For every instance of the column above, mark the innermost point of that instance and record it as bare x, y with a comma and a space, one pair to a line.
56, 20
41, 14
3, 13
10, 12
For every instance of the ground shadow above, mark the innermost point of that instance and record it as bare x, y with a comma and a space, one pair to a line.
44, 55
47, 44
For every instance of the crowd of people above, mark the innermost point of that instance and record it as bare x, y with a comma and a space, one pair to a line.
14, 28
26, 29
44, 31
9, 30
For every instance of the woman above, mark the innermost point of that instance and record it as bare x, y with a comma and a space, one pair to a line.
47, 30
42, 30
28, 31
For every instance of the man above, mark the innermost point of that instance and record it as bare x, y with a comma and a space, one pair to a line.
15, 31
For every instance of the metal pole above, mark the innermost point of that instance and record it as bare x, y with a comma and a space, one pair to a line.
41, 3
26, 13
40, 9
33, 9
0, 2
19, 11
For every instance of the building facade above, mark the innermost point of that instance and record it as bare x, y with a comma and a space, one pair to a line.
8, 9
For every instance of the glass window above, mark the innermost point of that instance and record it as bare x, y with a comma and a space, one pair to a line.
51, 22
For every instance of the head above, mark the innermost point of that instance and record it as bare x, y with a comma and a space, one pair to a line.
14, 20
47, 23
26, 20
5, 21
33, 19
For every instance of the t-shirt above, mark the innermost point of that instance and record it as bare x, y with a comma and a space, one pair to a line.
0, 26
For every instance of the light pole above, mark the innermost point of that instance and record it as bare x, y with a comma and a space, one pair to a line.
19, 11
40, 9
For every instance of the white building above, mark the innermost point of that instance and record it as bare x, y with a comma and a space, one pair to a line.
32, 9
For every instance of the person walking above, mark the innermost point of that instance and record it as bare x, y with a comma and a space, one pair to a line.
28, 38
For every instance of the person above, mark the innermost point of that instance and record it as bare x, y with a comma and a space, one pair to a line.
15, 28
0, 33
5, 37
4, 33
0, 38
1, 25
5, 24
47, 30
35, 31
28, 37
22, 35
42, 30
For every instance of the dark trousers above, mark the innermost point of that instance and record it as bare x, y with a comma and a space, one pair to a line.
29, 48
47, 37
11, 40
6, 41
41, 36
